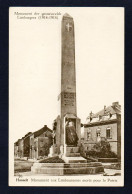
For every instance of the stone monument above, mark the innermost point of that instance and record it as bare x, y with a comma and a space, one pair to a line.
67, 126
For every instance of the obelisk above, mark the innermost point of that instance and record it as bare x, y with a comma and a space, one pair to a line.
68, 75
67, 97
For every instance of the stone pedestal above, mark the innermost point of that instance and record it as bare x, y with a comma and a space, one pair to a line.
68, 153
61, 129
60, 169
72, 155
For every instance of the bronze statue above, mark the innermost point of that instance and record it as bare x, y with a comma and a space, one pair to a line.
71, 135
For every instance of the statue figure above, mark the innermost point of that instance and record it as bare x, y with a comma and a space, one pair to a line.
71, 135
54, 137
54, 132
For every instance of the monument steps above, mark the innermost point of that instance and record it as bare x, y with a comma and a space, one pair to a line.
74, 159
83, 170
72, 154
78, 165
64, 169
66, 165
72, 149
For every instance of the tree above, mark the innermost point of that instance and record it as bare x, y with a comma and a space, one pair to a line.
101, 149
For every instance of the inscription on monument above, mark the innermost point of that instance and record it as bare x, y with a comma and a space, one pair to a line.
69, 98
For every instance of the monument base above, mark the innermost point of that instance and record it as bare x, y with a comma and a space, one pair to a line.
72, 155
60, 169
74, 164
78, 159
67, 153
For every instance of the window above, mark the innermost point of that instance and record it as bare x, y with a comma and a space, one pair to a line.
98, 135
108, 132
41, 144
88, 135
98, 132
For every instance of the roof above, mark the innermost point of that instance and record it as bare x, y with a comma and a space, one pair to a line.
19, 140
42, 130
16, 143
28, 134
108, 114
116, 109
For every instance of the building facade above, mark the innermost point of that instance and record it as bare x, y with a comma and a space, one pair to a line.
16, 149
104, 125
20, 148
34, 145
40, 142
26, 145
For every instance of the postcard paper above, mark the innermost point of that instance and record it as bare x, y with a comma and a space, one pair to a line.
66, 96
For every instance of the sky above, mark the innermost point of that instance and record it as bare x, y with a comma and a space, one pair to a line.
35, 65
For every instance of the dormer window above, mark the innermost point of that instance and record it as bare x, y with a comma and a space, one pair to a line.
110, 115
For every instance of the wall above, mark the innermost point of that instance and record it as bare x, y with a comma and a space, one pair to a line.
37, 145
26, 144
32, 146
112, 140
20, 148
15, 150
119, 137
43, 146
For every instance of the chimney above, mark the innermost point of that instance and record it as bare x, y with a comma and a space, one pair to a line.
104, 109
45, 125
115, 104
90, 116
99, 116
